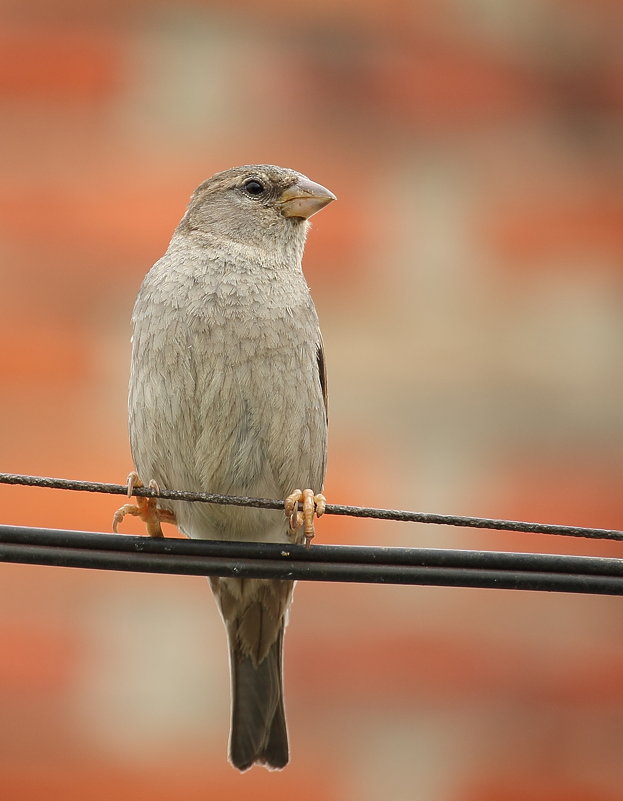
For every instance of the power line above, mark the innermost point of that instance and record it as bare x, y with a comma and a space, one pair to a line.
409, 566
332, 509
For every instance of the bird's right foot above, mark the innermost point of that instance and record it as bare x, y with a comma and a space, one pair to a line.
145, 508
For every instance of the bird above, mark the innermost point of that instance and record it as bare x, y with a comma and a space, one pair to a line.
228, 394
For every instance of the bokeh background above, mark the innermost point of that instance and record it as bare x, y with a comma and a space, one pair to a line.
468, 282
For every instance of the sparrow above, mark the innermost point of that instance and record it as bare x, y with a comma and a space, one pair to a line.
228, 395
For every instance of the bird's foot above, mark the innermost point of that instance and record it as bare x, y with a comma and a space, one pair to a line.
312, 505
145, 508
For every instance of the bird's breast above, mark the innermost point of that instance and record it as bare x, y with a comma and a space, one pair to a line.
228, 402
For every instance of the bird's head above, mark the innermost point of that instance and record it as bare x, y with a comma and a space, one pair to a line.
259, 205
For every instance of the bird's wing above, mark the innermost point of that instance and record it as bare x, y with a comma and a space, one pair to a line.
322, 373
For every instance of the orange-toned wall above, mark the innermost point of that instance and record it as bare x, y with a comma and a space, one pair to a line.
469, 285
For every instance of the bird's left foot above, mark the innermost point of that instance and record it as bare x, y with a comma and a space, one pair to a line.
313, 504
145, 508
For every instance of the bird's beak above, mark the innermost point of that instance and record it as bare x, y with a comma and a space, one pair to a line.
304, 198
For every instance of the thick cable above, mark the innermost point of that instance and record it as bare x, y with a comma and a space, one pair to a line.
407, 566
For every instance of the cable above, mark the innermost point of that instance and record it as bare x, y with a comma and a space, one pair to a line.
409, 566
331, 509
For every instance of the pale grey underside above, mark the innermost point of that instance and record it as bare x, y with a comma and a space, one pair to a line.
225, 394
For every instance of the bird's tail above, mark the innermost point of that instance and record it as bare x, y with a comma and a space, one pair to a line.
254, 611
258, 723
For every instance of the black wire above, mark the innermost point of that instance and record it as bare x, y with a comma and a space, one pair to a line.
332, 509
423, 566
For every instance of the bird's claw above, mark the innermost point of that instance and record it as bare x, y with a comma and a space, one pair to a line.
313, 504
145, 508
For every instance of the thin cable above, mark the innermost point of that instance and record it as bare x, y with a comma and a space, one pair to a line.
407, 566
331, 509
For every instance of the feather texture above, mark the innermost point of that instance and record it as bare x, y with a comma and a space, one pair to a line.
228, 395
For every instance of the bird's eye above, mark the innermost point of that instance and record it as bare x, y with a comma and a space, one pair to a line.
254, 187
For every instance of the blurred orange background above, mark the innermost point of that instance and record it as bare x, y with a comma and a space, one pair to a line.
468, 282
